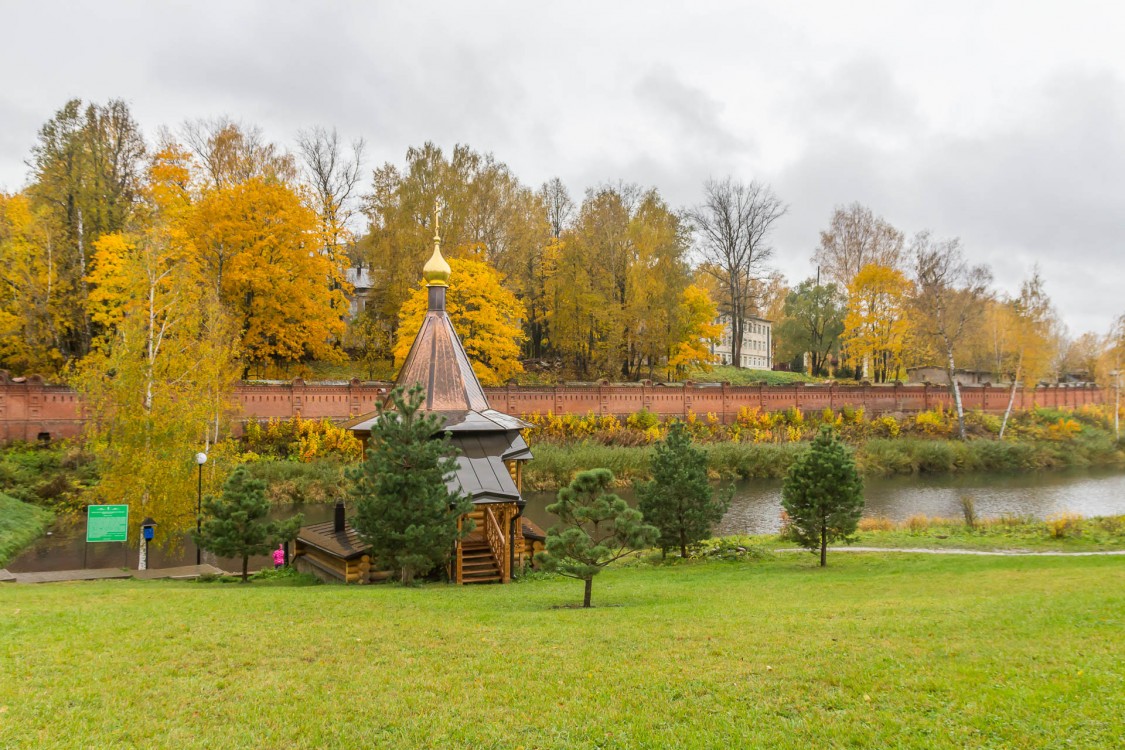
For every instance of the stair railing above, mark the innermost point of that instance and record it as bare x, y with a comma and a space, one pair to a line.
495, 536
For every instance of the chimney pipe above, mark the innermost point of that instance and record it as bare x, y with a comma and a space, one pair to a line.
338, 521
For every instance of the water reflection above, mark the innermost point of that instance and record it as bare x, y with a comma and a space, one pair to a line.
755, 510
65, 547
756, 506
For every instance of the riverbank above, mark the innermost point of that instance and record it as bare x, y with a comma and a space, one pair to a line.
1063, 532
555, 463
20, 525
874, 651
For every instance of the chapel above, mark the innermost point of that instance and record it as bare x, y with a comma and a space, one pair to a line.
492, 453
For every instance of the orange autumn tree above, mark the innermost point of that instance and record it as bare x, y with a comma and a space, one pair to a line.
34, 297
876, 326
695, 315
261, 248
485, 314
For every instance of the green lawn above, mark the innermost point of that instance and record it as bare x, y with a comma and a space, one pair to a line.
20, 525
874, 651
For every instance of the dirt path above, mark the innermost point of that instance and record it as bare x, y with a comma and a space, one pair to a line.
958, 551
100, 574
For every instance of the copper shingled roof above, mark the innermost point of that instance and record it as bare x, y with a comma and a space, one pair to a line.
438, 362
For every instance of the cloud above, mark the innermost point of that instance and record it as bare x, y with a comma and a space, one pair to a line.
1043, 187
861, 97
687, 115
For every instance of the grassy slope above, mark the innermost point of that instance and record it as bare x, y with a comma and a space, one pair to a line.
736, 376
20, 524
874, 651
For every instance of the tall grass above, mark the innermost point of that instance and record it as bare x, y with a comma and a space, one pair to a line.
882, 457
321, 481
20, 525
556, 463
1065, 530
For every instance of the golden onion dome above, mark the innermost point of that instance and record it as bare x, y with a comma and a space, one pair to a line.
436, 271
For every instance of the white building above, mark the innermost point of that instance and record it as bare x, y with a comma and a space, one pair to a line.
757, 344
360, 281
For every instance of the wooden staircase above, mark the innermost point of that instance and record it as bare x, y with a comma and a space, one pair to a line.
477, 565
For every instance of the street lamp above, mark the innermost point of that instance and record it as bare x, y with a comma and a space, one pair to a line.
200, 458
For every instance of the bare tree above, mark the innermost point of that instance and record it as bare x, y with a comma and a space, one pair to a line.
232, 153
733, 225
950, 298
855, 238
333, 171
560, 207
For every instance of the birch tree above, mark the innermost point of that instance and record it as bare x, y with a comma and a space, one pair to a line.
159, 375
950, 297
1029, 353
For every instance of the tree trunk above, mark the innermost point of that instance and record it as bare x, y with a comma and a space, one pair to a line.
823, 546
683, 544
589, 590
245, 568
1011, 400
736, 309
952, 369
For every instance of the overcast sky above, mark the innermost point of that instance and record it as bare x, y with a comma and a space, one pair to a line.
1000, 123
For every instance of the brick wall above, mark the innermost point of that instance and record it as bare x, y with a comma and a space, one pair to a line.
30, 408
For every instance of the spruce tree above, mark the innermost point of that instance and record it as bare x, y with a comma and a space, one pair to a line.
404, 509
680, 501
235, 525
596, 527
823, 494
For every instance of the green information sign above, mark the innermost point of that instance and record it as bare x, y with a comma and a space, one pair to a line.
107, 523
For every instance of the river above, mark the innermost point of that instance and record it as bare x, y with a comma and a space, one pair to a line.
755, 509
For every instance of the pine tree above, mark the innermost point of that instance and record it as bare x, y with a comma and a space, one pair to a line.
235, 525
823, 494
404, 508
597, 527
679, 500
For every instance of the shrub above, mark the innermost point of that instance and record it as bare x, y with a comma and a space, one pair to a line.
729, 548
918, 523
969, 510
878, 523
1064, 525
642, 420
885, 426
1064, 429
293, 482
300, 439
933, 422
